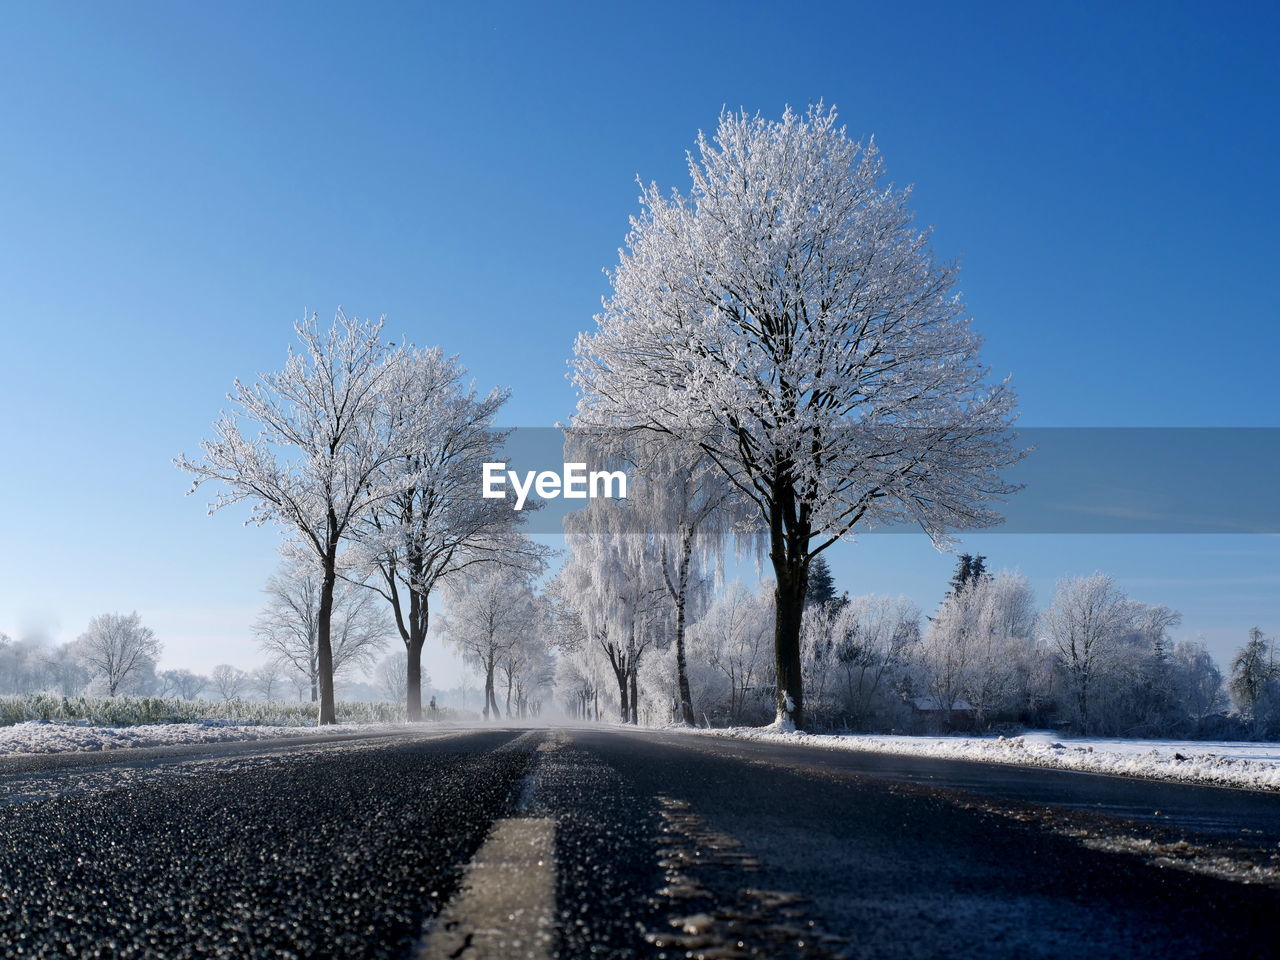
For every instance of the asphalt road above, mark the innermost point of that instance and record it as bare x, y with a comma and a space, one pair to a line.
609, 843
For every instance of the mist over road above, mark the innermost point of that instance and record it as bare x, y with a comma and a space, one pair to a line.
603, 842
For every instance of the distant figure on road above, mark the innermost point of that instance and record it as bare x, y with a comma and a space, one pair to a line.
434, 713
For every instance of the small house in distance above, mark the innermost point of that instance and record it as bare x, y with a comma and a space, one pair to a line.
929, 714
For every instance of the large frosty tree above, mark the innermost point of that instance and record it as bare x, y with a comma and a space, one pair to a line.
325, 430
788, 318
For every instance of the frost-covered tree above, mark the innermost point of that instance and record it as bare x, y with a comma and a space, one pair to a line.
581, 670
1147, 700
289, 626
487, 612
322, 433
392, 675
32, 664
818, 662
65, 672
1001, 615
301, 685
686, 511
576, 686
118, 648
872, 637
788, 318
943, 655
1251, 669
268, 679
733, 637
696, 511
228, 682
613, 578
183, 684
527, 671
1084, 622
1198, 679
438, 525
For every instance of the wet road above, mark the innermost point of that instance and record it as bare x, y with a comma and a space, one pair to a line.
603, 842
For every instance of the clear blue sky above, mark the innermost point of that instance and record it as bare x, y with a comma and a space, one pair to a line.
179, 181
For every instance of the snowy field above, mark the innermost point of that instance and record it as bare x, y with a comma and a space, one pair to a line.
1250, 765
44, 737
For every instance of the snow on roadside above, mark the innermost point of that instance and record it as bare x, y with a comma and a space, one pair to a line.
53, 737
1250, 765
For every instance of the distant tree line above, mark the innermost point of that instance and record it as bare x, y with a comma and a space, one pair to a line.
118, 655
985, 659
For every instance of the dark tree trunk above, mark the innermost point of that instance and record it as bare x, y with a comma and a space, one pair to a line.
324, 647
635, 698
790, 528
1082, 701
624, 711
622, 663
419, 615
792, 580
413, 687
682, 673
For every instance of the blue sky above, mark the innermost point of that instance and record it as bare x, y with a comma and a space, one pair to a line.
180, 181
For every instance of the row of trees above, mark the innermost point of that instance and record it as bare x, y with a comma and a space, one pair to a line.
366, 453
785, 324
987, 656
116, 653
1093, 659
786, 363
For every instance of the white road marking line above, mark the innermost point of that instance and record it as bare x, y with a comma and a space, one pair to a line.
506, 907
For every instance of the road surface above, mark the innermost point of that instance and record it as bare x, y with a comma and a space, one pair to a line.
581, 842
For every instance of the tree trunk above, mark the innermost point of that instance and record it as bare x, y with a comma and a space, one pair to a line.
792, 581
635, 699
413, 686
789, 531
624, 712
1083, 705
682, 673
419, 619
324, 647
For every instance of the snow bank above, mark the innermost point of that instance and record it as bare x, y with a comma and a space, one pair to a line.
1252, 765
52, 737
